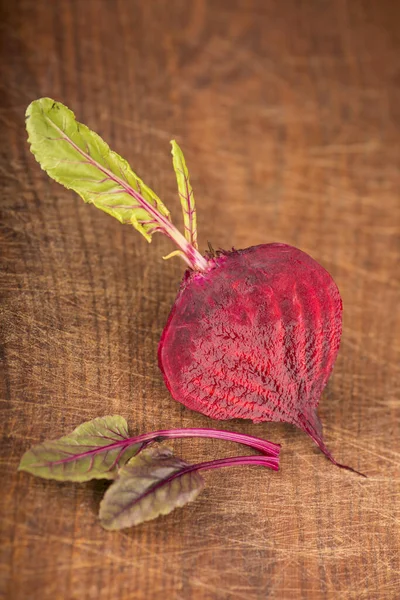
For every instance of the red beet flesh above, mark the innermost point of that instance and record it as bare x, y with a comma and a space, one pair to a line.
255, 337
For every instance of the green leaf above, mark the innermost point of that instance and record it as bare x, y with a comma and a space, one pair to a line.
151, 484
94, 450
185, 194
79, 159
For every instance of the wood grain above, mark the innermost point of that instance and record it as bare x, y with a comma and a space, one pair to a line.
289, 116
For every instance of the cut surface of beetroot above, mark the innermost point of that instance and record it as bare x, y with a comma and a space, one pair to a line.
255, 337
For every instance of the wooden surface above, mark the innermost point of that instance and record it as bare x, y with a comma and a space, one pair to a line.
289, 116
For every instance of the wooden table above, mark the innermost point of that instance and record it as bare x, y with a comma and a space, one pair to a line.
289, 116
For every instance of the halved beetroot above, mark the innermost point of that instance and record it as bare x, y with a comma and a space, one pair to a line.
254, 337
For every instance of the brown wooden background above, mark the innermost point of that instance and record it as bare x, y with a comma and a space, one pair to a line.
289, 116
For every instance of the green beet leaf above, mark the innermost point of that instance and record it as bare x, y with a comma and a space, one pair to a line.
79, 159
94, 450
185, 194
151, 484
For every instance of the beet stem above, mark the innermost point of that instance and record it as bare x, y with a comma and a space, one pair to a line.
267, 448
270, 462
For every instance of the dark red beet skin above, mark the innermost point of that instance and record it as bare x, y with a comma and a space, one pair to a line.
255, 337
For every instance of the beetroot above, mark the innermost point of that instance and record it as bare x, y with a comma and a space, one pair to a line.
255, 337
253, 333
